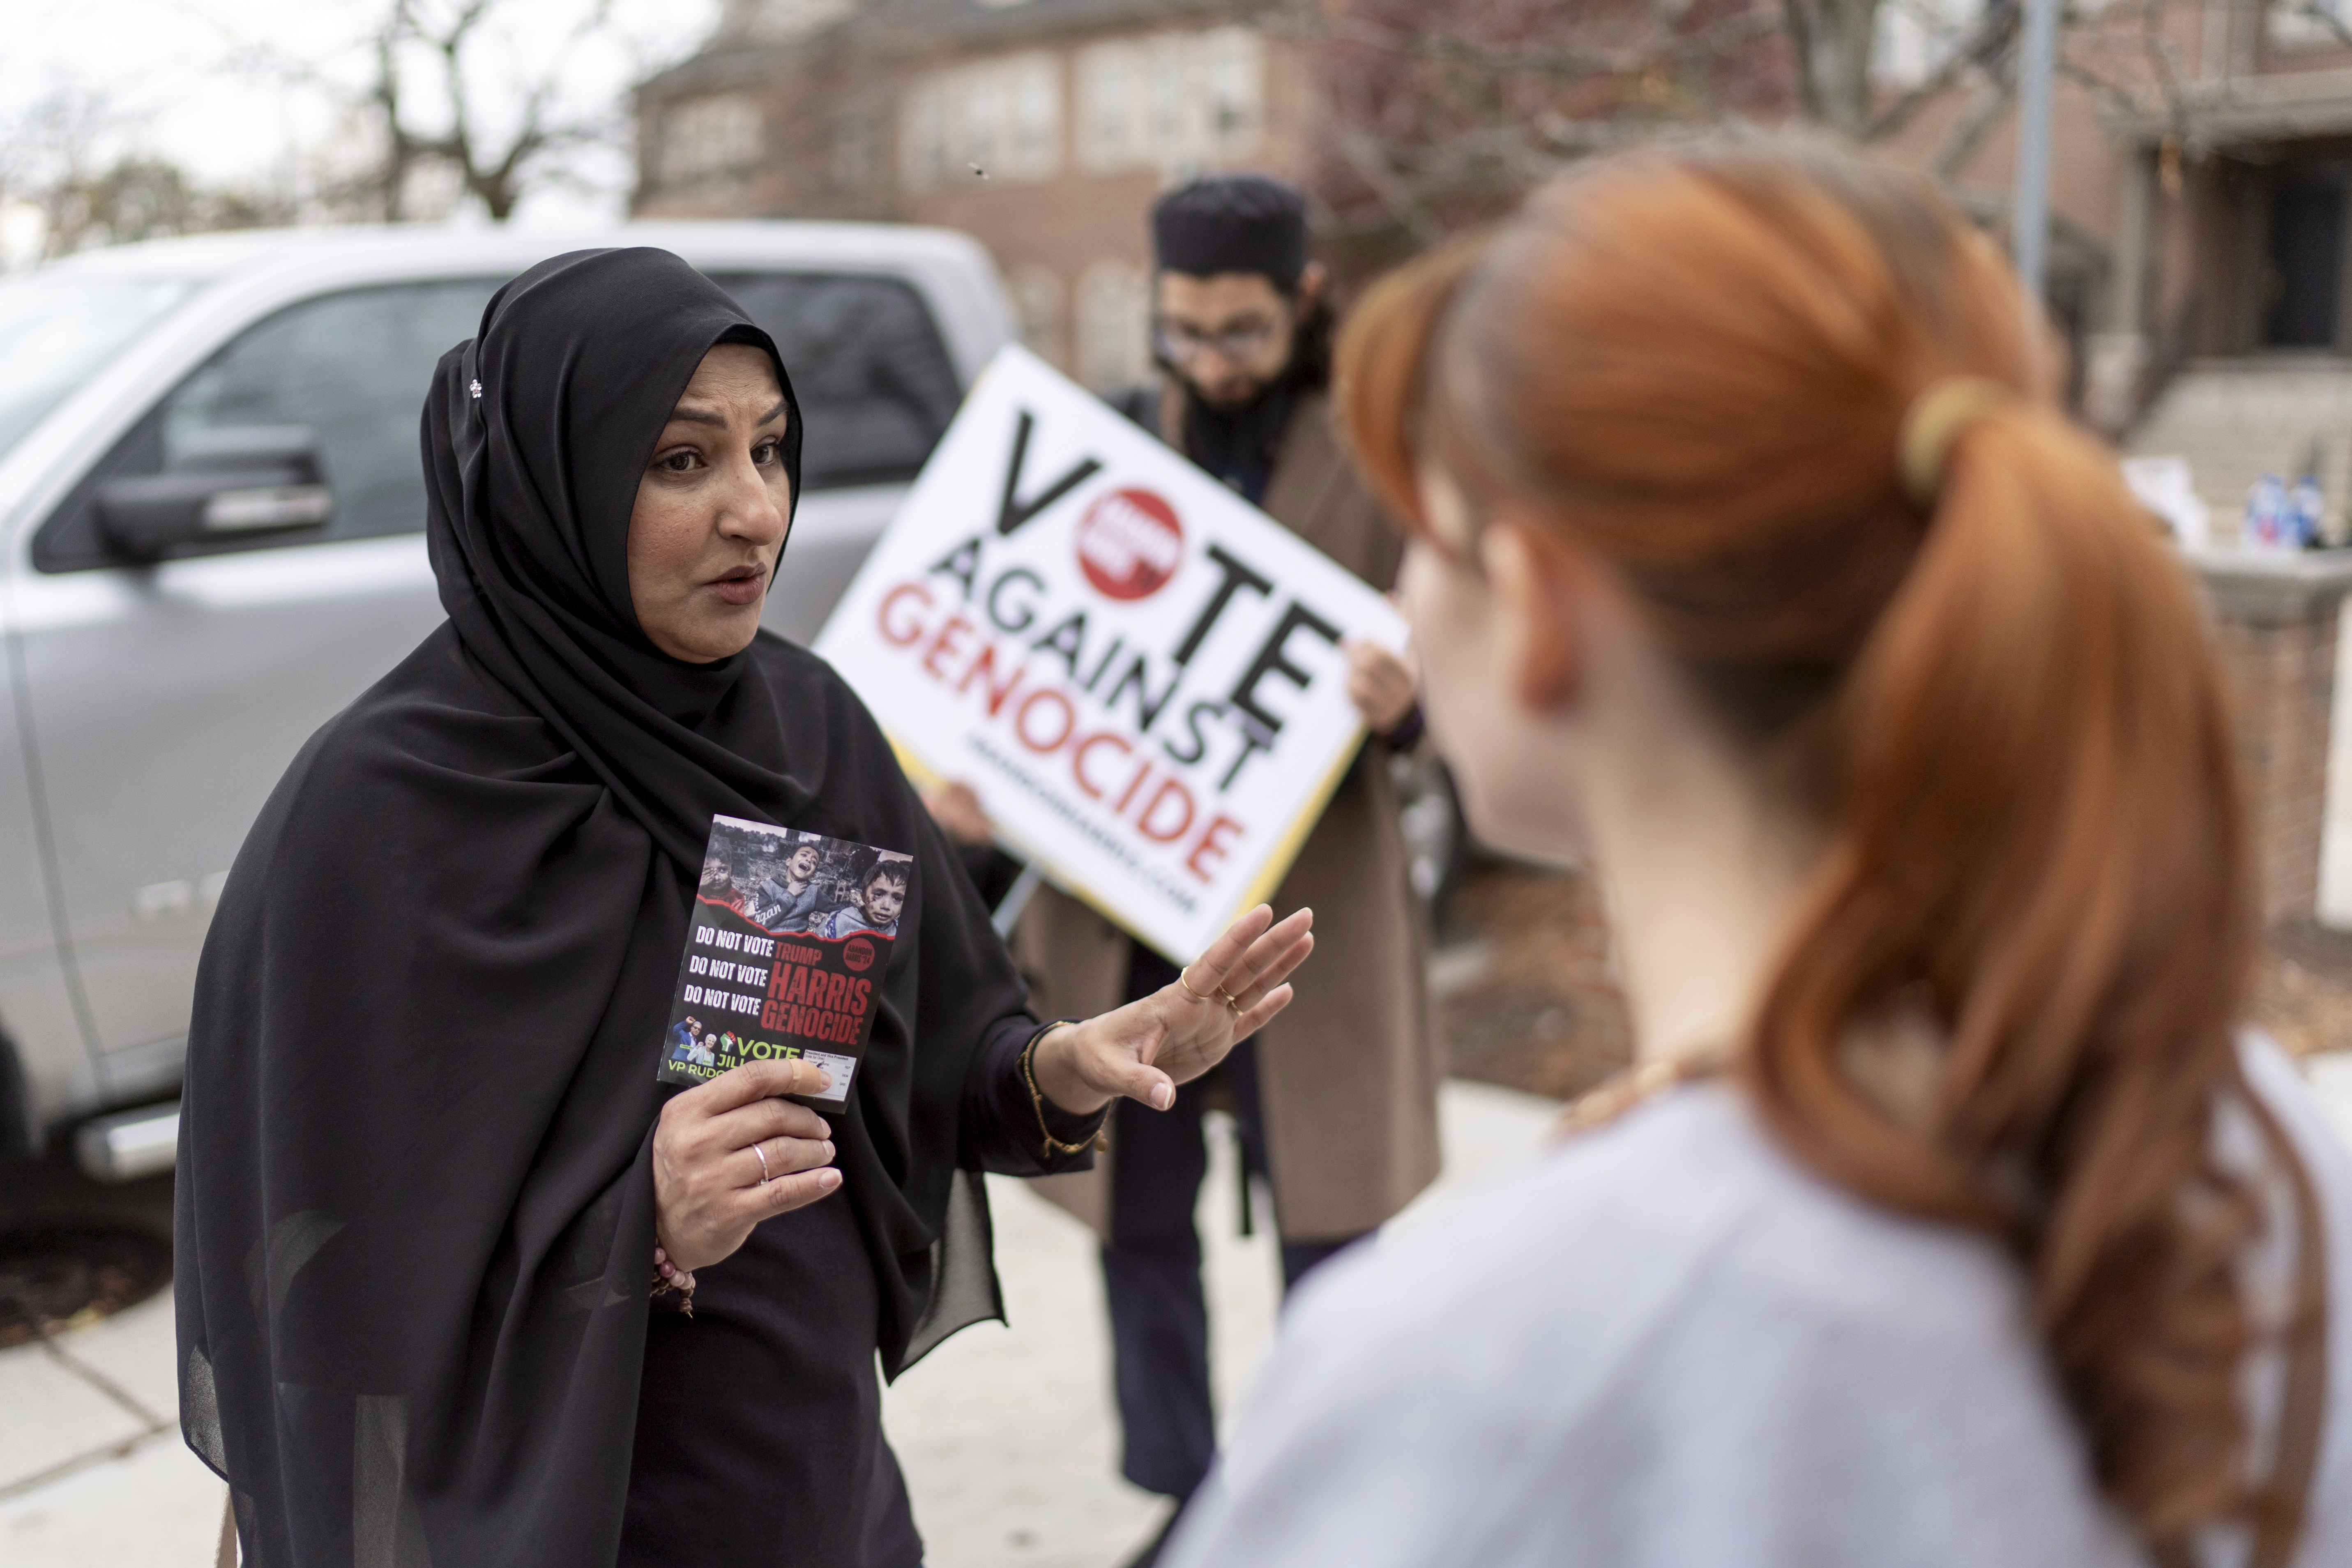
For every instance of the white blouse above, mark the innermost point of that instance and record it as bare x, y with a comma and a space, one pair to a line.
1668, 1345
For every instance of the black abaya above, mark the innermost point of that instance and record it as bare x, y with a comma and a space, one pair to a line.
416, 1208
760, 1433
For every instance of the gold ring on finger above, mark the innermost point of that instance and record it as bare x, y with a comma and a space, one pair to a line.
1195, 995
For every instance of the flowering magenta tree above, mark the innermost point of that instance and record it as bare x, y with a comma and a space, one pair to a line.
1435, 118
1429, 129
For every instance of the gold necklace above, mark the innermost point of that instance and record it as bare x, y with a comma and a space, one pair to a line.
1621, 1093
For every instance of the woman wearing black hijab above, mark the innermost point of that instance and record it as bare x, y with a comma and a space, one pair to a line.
424, 1161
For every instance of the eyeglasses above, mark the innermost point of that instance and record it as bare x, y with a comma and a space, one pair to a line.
1181, 342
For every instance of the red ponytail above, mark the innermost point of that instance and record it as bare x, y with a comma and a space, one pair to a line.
1697, 365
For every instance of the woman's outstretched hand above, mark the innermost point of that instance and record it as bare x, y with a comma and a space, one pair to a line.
1145, 1048
710, 1186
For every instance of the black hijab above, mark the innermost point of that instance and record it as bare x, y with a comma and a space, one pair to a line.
535, 435
414, 1205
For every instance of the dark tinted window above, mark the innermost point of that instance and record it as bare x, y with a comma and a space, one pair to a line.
2306, 256
351, 367
873, 378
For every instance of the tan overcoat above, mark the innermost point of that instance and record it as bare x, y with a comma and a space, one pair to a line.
1349, 1073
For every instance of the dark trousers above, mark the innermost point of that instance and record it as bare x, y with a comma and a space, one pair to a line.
1152, 1265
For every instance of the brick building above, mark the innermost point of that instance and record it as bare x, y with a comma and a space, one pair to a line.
1042, 128
2202, 244
2231, 247
2201, 254
2200, 241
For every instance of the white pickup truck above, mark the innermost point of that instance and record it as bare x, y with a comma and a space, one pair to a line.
211, 539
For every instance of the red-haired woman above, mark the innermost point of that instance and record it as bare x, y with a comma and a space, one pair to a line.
1947, 1218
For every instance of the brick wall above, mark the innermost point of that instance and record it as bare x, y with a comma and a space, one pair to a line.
2275, 619
2282, 678
1527, 989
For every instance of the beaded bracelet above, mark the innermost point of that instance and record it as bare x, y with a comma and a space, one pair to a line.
668, 1276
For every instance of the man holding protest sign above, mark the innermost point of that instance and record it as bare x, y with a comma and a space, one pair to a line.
1339, 1109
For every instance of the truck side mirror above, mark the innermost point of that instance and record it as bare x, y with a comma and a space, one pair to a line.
260, 478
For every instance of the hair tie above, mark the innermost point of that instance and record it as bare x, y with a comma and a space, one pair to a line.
1936, 416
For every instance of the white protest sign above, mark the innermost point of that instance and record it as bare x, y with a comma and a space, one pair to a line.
1138, 672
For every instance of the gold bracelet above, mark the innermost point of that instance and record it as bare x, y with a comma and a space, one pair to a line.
1053, 1145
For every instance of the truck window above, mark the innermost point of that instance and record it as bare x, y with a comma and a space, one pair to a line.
873, 378
56, 333
353, 367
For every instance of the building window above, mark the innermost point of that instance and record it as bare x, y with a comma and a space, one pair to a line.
2303, 275
1165, 100
1234, 67
1004, 115
707, 138
1037, 302
982, 120
852, 162
1173, 101
1107, 75
1114, 324
1036, 141
924, 145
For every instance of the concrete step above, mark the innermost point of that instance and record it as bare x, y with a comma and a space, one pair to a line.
2235, 420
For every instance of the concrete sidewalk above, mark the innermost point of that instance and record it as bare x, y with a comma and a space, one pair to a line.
92, 1469
1006, 1432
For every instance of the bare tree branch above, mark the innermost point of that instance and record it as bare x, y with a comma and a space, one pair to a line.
1835, 42
1431, 127
1995, 27
2323, 12
2119, 98
1800, 25
1630, 58
1434, 126
2163, 57
74, 158
442, 42
1964, 135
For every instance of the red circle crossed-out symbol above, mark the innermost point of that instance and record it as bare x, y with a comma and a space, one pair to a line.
1130, 544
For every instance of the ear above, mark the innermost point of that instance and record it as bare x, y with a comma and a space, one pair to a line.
1312, 281
1537, 594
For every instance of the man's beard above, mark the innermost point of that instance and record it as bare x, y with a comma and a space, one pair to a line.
1252, 393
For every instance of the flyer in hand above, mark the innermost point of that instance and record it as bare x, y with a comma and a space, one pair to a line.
791, 935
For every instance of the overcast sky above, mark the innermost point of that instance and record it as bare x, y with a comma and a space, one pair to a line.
170, 67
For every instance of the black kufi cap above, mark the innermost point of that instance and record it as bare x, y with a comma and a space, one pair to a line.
1232, 223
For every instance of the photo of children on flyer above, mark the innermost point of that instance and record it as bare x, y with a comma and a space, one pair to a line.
790, 938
